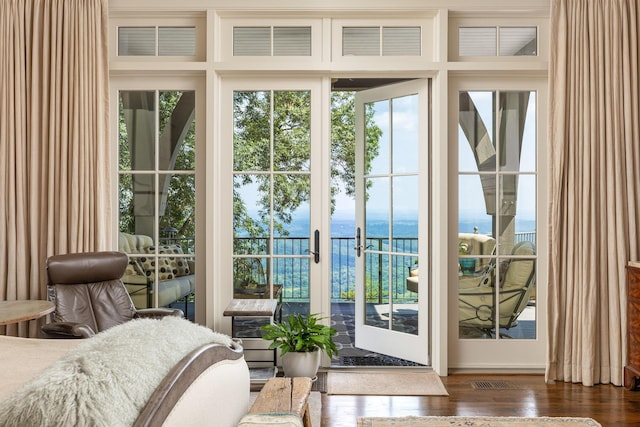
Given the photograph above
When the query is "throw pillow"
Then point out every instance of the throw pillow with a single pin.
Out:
(134, 268)
(165, 272)
(179, 265)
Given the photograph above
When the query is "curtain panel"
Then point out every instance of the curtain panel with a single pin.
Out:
(54, 158)
(594, 183)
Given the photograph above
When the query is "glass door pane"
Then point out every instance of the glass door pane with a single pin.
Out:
(497, 215)
(391, 214)
(157, 146)
(392, 193)
(271, 197)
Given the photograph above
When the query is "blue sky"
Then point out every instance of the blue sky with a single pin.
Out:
(405, 160)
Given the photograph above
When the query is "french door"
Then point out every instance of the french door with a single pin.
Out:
(271, 184)
(392, 213)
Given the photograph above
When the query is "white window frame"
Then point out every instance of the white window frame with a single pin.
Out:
(196, 20)
(427, 32)
(527, 61)
(225, 45)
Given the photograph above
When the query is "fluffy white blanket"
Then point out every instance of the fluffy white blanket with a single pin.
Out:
(108, 378)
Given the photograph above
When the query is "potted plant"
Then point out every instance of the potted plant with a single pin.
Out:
(301, 341)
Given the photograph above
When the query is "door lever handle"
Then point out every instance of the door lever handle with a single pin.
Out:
(316, 247)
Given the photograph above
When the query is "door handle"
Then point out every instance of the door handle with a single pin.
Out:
(358, 247)
(316, 246)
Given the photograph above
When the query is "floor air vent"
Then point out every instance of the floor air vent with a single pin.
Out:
(493, 385)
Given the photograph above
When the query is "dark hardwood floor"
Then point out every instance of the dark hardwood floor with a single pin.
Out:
(520, 395)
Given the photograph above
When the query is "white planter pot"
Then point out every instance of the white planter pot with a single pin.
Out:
(301, 364)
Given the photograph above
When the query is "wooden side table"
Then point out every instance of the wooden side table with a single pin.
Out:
(240, 307)
(23, 310)
(262, 361)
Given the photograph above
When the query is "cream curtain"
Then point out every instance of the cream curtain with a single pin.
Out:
(594, 159)
(54, 163)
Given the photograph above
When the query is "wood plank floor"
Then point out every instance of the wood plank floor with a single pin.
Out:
(525, 395)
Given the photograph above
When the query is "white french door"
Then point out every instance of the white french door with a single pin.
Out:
(271, 187)
(392, 213)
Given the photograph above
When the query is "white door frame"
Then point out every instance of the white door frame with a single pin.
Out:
(387, 341)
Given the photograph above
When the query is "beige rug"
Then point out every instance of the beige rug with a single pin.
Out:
(476, 422)
(315, 406)
(386, 383)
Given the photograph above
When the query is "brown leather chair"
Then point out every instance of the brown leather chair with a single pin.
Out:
(90, 296)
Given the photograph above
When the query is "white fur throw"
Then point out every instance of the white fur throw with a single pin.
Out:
(108, 378)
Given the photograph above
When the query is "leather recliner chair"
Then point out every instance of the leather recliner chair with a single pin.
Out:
(89, 295)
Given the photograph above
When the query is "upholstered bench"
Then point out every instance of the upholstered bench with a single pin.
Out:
(282, 402)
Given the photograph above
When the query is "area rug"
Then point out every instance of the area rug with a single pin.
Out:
(386, 383)
(315, 406)
(476, 422)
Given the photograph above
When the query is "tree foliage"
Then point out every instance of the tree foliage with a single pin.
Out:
(343, 143)
(272, 156)
(177, 201)
(263, 120)
(289, 134)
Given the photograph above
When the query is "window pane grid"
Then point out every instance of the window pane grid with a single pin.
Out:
(497, 218)
(497, 41)
(157, 41)
(272, 41)
(381, 41)
(157, 207)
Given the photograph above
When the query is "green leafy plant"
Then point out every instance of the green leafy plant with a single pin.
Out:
(301, 334)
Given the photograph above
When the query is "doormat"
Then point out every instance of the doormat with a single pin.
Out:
(476, 422)
(379, 360)
(386, 383)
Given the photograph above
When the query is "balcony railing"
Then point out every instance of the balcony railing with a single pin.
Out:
(290, 267)
(292, 271)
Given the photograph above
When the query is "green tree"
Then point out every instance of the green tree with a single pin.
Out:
(343, 143)
(179, 210)
(176, 109)
(255, 125)
(291, 152)
(257, 115)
